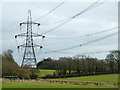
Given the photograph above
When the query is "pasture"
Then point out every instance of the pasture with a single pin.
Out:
(109, 78)
(45, 85)
(44, 72)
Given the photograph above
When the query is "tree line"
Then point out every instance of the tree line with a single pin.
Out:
(64, 66)
(11, 68)
(81, 64)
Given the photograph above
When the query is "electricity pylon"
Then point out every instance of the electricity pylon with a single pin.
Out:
(29, 57)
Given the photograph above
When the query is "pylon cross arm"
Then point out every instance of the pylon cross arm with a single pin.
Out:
(25, 34)
(24, 45)
(31, 22)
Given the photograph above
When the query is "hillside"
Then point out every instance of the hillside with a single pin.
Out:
(11, 68)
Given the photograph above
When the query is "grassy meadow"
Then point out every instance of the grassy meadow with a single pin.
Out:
(44, 72)
(109, 78)
(45, 85)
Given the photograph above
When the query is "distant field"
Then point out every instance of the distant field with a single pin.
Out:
(109, 78)
(44, 72)
(44, 85)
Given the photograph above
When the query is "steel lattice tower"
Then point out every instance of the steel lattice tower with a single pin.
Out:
(29, 57)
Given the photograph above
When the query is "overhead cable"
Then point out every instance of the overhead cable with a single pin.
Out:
(80, 45)
(102, 31)
(82, 53)
(50, 11)
(95, 4)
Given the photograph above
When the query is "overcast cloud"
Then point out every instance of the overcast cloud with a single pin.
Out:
(100, 18)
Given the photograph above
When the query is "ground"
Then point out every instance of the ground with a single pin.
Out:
(44, 72)
(45, 85)
(107, 79)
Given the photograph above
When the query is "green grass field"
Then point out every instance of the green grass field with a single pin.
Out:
(111, 78)
(44, 72)
(45, 85)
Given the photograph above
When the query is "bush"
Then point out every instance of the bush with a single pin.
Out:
(11, 68)
(24, 74)
(35, 73)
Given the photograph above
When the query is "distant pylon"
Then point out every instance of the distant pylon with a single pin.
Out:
(29, 57)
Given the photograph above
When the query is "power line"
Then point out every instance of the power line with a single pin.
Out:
(50, 11)
(110, 29)
(81, 53)
(59, 21)
(80, 45)
(95, 4)
(57, 26)
(90, 7)
(97, 52)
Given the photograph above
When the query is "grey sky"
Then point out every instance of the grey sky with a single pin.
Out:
(100, 18)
